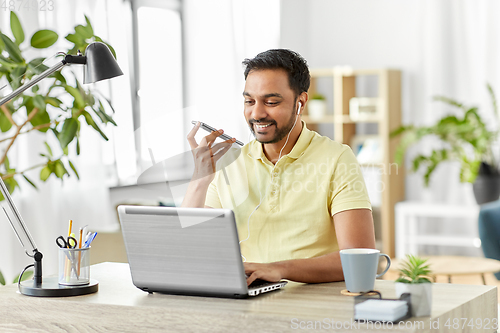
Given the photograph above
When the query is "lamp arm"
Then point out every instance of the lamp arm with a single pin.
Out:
(37, 255)
(18, 218)
(33, 81)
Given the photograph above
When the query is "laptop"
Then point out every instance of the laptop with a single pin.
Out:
(186, 251)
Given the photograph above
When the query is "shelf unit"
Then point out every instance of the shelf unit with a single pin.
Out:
(387, 119)
(408, 215)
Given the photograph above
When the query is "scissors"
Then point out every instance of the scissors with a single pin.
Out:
(70, 243)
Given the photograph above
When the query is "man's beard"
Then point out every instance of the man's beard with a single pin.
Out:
(280, 133)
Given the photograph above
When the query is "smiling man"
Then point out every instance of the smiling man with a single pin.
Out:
(298, 197)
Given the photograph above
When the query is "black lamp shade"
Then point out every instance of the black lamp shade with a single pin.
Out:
(101, 64)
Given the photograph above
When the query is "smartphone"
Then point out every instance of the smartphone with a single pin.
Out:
(210, 129)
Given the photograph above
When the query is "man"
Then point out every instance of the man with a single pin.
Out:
(298, 197)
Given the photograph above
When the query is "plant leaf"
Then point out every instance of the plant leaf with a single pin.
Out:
(53, 101)
(493, 99)
(48, 148)
(2, 46)
(59, 169)
(414, 270)
(449, 101)
(91, 122)
(83, 32)
(101, 112)
(58, 75)
(6, 163)
(2, 279)
(43, 39)
(17, 75)
(75, 39)
(45, 173)
(42, 117)
(68, 132)
(29, 181)
(12, 49)
(7, 64)
(74, 169)
(17, 29)
(79, 102)
(11, 183)
(36, 65)
(39, 102)
(5, 124)
(89, 26)
(26, 275)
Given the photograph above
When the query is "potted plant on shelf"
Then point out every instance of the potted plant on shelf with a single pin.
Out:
(413, 279)
(465, 138)
(41, 109)
(316, 107)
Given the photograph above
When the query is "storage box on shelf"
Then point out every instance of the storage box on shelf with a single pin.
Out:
(383, 110)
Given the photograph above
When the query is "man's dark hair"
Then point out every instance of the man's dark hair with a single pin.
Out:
(290, 61)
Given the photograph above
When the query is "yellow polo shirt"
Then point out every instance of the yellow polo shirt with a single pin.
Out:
(298, 196)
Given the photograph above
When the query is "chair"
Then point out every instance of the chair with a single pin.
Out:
(489, 230)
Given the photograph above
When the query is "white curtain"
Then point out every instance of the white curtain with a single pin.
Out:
(47, 210)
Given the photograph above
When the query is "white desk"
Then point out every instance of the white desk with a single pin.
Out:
(407, 236)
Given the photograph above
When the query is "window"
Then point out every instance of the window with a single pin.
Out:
(159, 86)
(156, 85)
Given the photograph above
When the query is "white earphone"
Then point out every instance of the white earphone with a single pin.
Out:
(298, 110)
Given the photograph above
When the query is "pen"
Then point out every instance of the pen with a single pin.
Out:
(89, 240)
(79, 254)
(85, 232)
(87, 236)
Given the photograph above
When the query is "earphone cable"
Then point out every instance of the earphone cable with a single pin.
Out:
(258, 183)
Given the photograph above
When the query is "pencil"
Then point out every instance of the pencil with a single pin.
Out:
(70, 227)
(68, 266)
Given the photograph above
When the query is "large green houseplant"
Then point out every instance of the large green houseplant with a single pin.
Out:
(465, 138)
(41, 109)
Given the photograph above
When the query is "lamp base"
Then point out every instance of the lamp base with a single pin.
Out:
(50, 287)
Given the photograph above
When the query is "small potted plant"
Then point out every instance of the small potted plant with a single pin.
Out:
(413, 279)
(316, 107)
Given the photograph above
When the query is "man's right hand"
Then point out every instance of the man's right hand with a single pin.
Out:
(206, 154)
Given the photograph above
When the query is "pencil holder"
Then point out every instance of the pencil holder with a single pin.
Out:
(74, 266)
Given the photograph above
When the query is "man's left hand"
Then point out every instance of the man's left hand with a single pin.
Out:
(271, 272)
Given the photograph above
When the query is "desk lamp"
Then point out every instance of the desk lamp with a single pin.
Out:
(99, 65)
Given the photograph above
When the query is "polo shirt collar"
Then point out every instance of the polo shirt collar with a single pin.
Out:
(256, 151)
